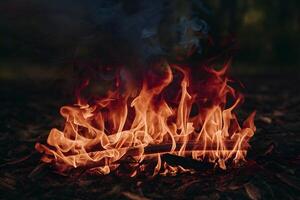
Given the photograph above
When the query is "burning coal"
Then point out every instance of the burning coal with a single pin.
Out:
(172, 112)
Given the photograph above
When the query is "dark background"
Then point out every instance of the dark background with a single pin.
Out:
(39, 38)
(268, 32)
(39, 42)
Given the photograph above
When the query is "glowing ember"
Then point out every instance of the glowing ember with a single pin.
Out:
(172, 113)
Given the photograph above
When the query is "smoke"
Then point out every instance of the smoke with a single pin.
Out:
(149, 28)
(101, 36)
(138, 34)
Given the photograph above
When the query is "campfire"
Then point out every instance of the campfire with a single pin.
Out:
(181, 111)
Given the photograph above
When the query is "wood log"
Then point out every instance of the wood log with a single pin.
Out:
(151, 151)
(186, 162)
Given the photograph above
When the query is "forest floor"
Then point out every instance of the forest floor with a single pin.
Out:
(30, 109)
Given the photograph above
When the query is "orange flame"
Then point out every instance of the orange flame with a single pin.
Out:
(101, 135)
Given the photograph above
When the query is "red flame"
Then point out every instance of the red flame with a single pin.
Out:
(173, 113)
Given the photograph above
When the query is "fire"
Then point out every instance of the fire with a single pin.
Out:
(172, 113)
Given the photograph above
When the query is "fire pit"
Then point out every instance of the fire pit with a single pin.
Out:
(270, 170)
(142, 127)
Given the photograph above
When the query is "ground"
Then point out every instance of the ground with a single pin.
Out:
(30, 109)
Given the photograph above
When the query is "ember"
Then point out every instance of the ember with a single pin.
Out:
(193, 121)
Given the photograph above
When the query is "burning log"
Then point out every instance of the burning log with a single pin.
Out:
(186, 162)
(165, 150)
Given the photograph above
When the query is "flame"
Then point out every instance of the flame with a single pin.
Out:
(192, 120)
